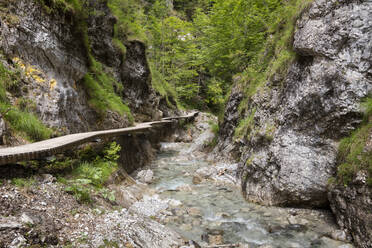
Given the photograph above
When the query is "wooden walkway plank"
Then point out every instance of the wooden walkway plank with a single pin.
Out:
(57, 145)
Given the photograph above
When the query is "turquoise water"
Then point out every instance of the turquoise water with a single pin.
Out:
(222, 207)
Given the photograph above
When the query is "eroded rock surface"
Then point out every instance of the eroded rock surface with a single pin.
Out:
(49, 50)
(352, 207)
(290, 152)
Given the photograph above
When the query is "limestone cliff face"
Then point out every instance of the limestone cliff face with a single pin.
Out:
(291, 150)
(352, 207)
(49, 49)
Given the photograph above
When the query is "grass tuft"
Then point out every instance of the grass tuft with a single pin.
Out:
(353, 155)
(20, 118)
(100, 88)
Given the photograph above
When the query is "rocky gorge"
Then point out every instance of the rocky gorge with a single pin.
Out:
(180, 199)
(298, 146)
(291, 151)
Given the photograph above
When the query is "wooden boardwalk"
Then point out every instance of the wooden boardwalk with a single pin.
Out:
(53, 146)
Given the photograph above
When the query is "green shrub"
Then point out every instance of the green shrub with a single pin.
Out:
(245, 126)
(215, 129)
(80, 192)
(352, 155)
(91, 173)
(130, 15)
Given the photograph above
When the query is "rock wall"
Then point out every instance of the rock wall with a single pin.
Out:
(352, 207)
(290, 152)
(139, 150)
(50, 51)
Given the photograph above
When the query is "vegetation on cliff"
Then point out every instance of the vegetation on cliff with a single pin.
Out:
(21, 115)
(103, 89)
(355, 151)
(196, 47)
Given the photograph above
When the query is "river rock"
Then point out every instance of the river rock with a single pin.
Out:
(9, 225)
(293, 220)
(194, 212)
(174, 203)
(191, 244)
(145, 176)
(351, 205)
(205, 172)
(18, 242)
(265, 246)
(26, 219)
(197, 179)
(196, 222)
(331, 243)
(340, 235)
(223, 215)
(213, 237)
(185, 188)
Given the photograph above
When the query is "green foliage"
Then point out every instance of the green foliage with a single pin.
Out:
(165, 89)
(215, 129)
(96, 172)
(26, 124)
(275, 55)
(26, 105)
(130, 15)
(272, 54)
(172, 55)
(108, 195)
(215, 95)
(245, 126)
(353, 155)
(80, 192)
(91, 173)
(71, 8)
(58, 165)
(100, 87)
(199, 49)
(10, 81)
(120, 46)
(188, 8)
(21, 118)
(23, 182)
(111, 153)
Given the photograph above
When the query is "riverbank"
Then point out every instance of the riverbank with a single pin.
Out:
(182, 195)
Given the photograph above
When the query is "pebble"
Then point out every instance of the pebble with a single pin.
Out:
(267, 214)
(292, 220)
(223, 215)
(339, 235)
(26, 219)
(196, 179)
(194, 211)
